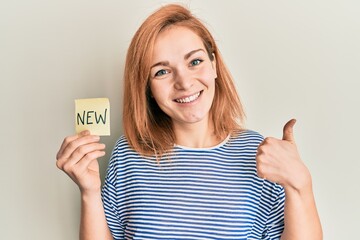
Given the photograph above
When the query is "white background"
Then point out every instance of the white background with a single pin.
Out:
(289, 59)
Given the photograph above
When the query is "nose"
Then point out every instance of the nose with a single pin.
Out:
(183, 79)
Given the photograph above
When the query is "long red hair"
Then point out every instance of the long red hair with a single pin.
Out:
(147, 128)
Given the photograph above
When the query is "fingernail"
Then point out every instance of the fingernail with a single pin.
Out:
(84, 133)
(96, 137)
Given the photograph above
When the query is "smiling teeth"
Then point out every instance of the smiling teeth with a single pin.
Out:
(188, 99)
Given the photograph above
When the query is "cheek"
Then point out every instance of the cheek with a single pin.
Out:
(159, 91)
(208, 74)
(154, 88)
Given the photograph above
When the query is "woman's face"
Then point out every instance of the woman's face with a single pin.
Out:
(182, 78)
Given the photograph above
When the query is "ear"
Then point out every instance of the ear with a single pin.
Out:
(213, 63)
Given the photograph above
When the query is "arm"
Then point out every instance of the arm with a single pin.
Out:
(301, 218)
(93, 223)
(279, 161)
(77, 157)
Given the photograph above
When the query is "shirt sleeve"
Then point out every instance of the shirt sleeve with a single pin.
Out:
(275, 221)
(109, 195)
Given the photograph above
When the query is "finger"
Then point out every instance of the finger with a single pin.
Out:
(68, 140)
(78, 155)
(288, 133)
(64, 144)
(73, 145)
(83, 150)
(88, 158)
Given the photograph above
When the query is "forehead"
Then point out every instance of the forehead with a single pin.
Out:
(176, 40)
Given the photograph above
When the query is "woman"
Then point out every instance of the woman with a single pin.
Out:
(185, 167)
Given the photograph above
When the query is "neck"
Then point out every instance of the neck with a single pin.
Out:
(196, 135)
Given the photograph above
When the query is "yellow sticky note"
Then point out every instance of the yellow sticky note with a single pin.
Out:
(93, 114)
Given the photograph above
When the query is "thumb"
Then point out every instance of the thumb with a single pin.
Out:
(288, 133)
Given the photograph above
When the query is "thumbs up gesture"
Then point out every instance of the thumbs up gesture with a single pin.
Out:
(278, 160)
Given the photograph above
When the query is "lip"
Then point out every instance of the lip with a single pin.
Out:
(188, 96)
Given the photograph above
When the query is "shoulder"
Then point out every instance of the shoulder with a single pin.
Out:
(241, 145)
(122, 147)
(246, 136)
(122, 142)
(121, 151)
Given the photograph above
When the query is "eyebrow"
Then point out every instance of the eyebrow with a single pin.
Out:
(187, 56)
(192, 52)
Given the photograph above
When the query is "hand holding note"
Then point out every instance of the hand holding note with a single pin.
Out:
(93, 114)
(78, 154)
(77, 158)
(279, 160)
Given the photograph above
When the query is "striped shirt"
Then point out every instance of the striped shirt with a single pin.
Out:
(196, 193)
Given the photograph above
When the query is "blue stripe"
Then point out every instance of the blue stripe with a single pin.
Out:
(192, 194)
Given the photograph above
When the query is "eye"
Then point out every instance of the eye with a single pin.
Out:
(195, 62)
(161, 73)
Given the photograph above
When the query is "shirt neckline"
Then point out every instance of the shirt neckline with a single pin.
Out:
(204, 148)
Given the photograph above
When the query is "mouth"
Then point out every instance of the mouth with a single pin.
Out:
(189, 99)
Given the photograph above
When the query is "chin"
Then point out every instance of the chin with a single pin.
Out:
(195, 119)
